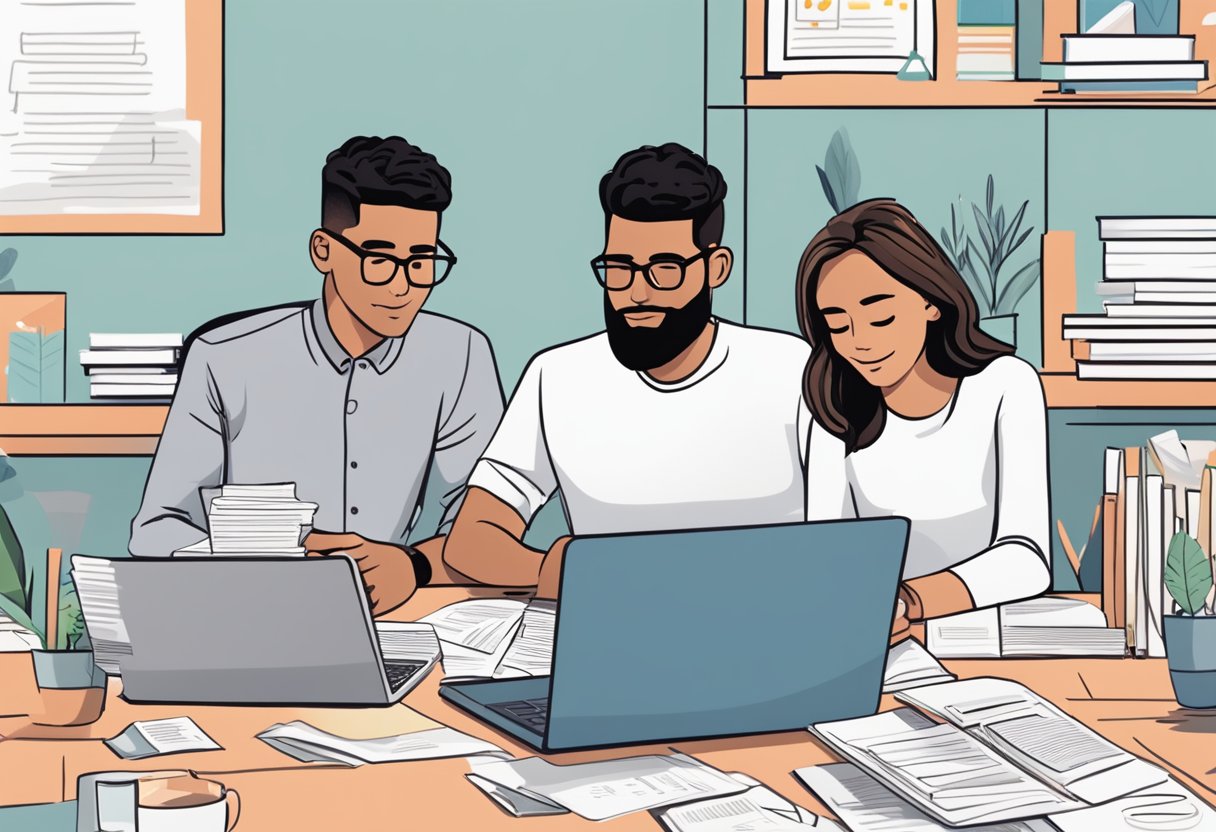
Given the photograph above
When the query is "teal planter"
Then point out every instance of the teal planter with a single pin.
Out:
(1002, 328)
(1190, 646)
(67, 670)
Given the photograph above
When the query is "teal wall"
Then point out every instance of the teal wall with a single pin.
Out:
(527, 106)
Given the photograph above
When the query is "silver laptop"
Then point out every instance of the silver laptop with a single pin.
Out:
(212, 630)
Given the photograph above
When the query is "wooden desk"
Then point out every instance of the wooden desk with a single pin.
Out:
(1129, 701)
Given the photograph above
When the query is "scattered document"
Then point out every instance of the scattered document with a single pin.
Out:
(157, 737)
(968, 635)
(531, 651)
(516, 803)
(942, 770)
(865, 805)
(1021, 726)
(481, 624)
(759, 809)
(312, 745)
(94, 116)
(1037, 627)
(609, 789)
(1168, 807)
(407, 641)
(909, 665)
(98, 593)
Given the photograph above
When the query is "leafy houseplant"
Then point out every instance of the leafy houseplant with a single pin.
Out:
(840, 175)
(983, 258)
(1190, 637)
(70, 686)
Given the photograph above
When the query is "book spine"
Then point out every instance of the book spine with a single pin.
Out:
(1110, 503)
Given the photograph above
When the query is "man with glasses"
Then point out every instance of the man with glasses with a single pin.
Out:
(669, 419)
(359, 398)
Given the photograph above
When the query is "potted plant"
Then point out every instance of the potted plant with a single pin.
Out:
(1190, 635)
(985, 265)
(71, 688)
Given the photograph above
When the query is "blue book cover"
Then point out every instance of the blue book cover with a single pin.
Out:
(989, 12)
(1129, 86)
(1153, 17)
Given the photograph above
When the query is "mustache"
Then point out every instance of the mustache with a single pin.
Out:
(630, 310)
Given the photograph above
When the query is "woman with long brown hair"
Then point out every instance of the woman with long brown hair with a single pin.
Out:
(920, 414)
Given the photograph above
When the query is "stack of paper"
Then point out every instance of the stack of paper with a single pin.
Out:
(407, 641)
(256, 520)
(603, 790)
(132, 366)
(312, 745)
(1038, 627)
(98, 593)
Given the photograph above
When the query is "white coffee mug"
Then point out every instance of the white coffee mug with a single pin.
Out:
(175, 803)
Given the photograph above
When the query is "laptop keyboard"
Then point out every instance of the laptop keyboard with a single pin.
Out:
(399, 673)
(532, 714)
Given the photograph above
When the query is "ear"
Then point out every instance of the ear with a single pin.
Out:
(719, 264)
(932, 312)
(318, 248)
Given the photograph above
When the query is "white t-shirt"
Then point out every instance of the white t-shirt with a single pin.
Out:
(723, 447)
(972, 478)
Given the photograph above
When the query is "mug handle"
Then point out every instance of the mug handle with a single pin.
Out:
(234, 807)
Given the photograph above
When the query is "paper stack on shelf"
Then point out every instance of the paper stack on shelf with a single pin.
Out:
(132, 366)
(253, 521)
(1159, 290)
(1111, 57)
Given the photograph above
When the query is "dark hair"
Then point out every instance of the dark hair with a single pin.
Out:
(842, 401)
(669, 182)
(376, 171)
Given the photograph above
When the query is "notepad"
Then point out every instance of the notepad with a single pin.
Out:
(156, 737)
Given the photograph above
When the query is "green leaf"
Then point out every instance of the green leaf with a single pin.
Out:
(7, 258)
(1017, 287)
(843, 170)
(1188, 573)
(827, 190)
(71, 617)
(12, 564)
(991, 193)
(981, 224)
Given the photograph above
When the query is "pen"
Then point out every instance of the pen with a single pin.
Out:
(54, 558)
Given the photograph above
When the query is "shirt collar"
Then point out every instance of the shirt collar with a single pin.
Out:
(381, 356)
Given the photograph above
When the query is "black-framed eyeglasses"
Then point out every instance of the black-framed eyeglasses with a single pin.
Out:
(421, 270)
(616, 273)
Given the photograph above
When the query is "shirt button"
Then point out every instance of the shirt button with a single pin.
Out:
(354, 509)
(362, 365)
(352, 406)
(354, 465)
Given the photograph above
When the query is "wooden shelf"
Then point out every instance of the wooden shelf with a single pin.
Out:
(1066, 390)
(94, 429)
(837, 90)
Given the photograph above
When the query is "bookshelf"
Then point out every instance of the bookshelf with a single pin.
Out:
(81, 429)
(834, 90)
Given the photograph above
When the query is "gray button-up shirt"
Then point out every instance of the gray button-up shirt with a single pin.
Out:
(273, 397)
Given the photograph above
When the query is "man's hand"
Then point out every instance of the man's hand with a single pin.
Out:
(551, 569)
(901, 628)
(388, 573)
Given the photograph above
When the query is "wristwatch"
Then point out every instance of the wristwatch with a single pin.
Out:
(422, 566)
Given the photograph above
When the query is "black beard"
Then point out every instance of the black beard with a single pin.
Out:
(643, 348)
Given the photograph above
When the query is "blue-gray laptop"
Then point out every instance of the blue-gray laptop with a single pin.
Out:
(723, 632)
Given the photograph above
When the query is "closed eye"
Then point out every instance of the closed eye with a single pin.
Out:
(884, 321)
(841, 331)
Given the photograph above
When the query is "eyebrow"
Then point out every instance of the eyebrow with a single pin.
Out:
(875, 299)
(668, 255)
(831, 310)
(422, 249)
(377, 244)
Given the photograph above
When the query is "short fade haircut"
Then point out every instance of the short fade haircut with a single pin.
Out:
(669, 182)
(375, 171)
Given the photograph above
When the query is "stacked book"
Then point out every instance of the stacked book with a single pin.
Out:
(987, 34)
(1111, 57)
(139, 366)
(255, 521)
(1159, 291)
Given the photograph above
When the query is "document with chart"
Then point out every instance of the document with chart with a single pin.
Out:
(848, 35)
